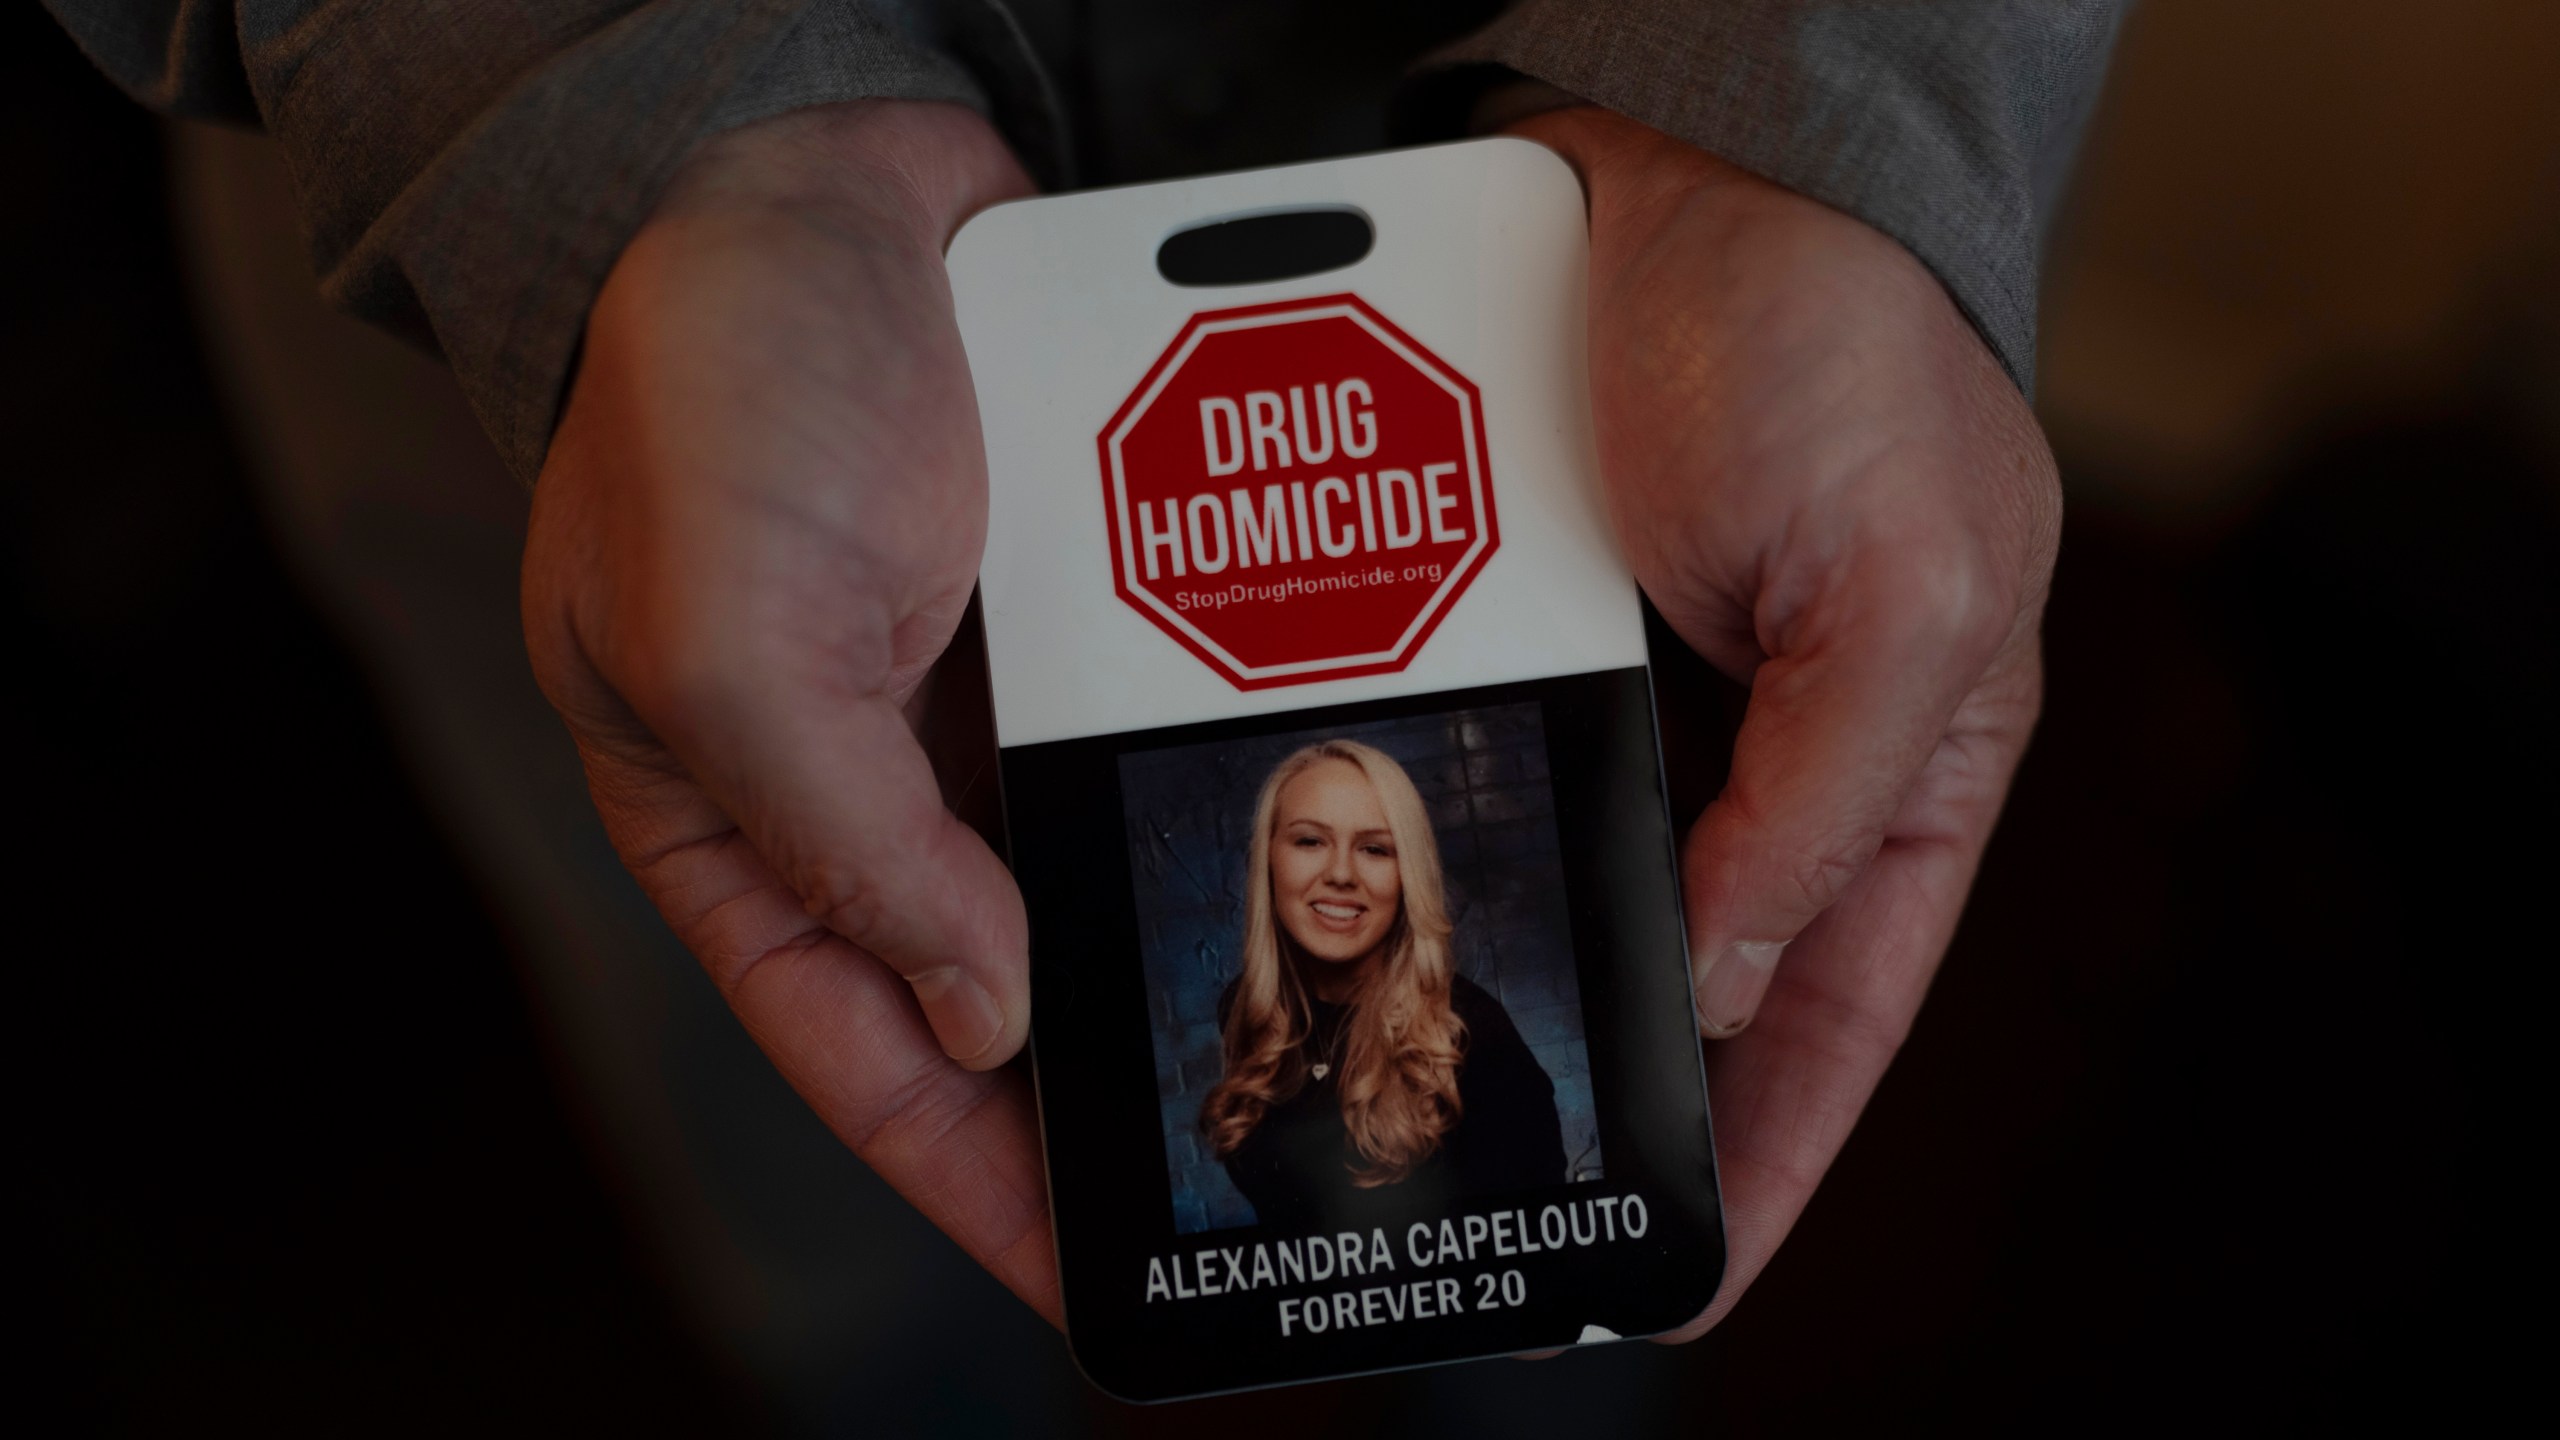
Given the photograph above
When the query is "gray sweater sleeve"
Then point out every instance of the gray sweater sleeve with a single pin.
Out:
(468, 173)
(1947, 124)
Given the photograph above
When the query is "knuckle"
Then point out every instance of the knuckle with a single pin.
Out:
(1814, 873)
(927, 1105)
(729, 959)
(1792, 863)
(850, 898)
(1792, 869)
(1947, 598)
(884, 881)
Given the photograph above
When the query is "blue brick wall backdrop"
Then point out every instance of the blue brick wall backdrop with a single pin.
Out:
(1189, 812)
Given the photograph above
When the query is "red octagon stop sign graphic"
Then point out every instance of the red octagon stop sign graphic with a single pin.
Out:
(1298, 492)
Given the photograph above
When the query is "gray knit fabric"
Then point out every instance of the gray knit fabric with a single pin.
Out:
(1947, 124)
(469, 173)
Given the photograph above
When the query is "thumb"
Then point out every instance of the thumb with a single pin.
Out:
(827, 784)
(1843, 715)
(846, 809)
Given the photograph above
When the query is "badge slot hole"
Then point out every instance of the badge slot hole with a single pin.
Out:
(1261, 248)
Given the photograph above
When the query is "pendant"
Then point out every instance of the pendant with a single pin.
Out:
(1320, 1069)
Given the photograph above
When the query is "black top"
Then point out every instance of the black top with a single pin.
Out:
(1296, 1166)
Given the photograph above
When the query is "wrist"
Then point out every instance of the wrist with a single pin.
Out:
(917, 169)
(1625, 162)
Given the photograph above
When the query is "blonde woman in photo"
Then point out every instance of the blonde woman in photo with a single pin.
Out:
(1357, 1059)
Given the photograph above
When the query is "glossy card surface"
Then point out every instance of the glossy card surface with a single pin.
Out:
(1361, 1019)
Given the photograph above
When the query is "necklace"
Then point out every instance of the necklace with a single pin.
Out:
(1321, 1068)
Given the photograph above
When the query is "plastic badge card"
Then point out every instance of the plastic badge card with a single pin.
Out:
(1361, 1013)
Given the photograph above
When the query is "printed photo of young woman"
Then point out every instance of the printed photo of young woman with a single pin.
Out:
(1346, 1045)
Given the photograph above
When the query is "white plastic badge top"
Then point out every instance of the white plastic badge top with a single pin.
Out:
(1157, 527)
(1246, 532)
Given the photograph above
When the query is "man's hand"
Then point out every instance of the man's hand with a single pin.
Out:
(762, 516)
(1833, 493)
(758, 527)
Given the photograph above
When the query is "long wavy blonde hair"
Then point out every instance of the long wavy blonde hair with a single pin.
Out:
(1403, 1044)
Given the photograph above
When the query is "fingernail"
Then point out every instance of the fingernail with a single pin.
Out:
(963, 1015)
(1731, 983)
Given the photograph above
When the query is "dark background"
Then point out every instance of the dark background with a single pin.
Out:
(2217, 1111)
(1189, 821)
(291, 1135)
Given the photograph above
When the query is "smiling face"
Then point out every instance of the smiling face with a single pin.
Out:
(1335, 884)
